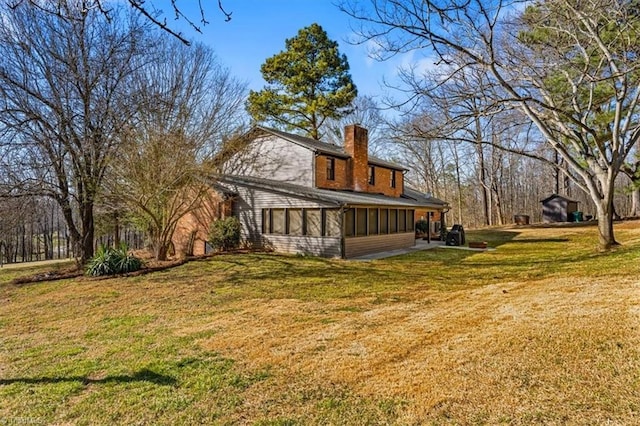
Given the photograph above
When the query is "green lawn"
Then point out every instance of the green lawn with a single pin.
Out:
(542, 330)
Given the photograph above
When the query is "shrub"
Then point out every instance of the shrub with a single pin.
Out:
(110, 261)
(422, 226)
(225, 233)
(443, 233)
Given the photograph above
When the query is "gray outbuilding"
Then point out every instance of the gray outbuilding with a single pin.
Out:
(558, 208)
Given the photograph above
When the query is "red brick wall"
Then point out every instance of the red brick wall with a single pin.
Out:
(341, 168)
(383, 183)
(196, 225)
(342, 181)
(422, 214)
(356, 144)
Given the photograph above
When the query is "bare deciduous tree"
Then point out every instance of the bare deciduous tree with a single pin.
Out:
(366, 112)
(148, 10)
(64, 100)
(187, 104)
(578, 83)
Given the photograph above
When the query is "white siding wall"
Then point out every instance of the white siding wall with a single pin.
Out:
(274, 158)
(248, 208)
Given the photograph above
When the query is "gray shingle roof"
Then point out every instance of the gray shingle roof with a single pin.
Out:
(552, 196)
(422, 197)
(336, 197)
(325, 148)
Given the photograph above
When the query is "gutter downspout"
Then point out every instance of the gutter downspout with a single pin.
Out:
(343, 210)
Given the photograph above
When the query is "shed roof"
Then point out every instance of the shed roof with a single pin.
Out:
(411, 198)
(552, 196)
(323, 147)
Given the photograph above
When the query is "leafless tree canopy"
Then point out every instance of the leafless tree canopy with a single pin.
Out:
(188, 104)
(153, 15)
(63, 102)
(558, 83)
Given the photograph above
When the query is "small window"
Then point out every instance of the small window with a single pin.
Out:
(373, 221)
(331, 168)
(277, 221)
(350, 222)
(393, 178)
(372, 175)
(411, 222)
(361, 222)
(384, 221)
(313, 222)
(402, 220)
(295, 222)
(332, 223)
(393, 221)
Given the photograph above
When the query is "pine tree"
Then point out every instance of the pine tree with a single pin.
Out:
(307, 83)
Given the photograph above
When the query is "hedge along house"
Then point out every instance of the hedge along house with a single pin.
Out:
(299, 195)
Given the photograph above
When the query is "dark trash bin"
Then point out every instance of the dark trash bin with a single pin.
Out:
(456, 236)
(453, 238)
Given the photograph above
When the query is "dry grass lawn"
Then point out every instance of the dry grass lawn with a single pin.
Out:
(542, 330)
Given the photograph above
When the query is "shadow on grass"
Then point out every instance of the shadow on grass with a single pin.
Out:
(493, 237)
(144, 375)
(543, 240)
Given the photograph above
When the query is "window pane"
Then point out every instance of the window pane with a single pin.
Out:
(372, 175)
(332, 224)
(277, 221)
(393, 221)
(410, 220)
(402, 220)
(295, 221)
(361, 222)
(373, 221)
(349, 219)
(314, 222)
(384, 218)
(331, 166)
(393, 178)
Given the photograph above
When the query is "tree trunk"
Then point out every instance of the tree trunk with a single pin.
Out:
(87, 237)
(116, 231)
(486, 196)
(635, 203)
(458, 182)
(161, 250)
(606, 239)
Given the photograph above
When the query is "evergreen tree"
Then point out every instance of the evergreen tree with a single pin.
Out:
(307, 83)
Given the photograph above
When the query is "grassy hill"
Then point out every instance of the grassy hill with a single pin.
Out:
(542, 330)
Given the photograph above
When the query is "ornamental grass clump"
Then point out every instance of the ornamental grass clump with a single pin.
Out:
(111, 261)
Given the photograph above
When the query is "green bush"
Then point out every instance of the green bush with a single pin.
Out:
(225, 233)
(443, 233)
(110, 261)
(422, 226)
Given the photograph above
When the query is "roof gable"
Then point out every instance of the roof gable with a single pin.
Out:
(322, 147)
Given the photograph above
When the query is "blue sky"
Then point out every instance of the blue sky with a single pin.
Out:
(258, 30)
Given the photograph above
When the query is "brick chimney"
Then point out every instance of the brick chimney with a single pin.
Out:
(356, 144)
